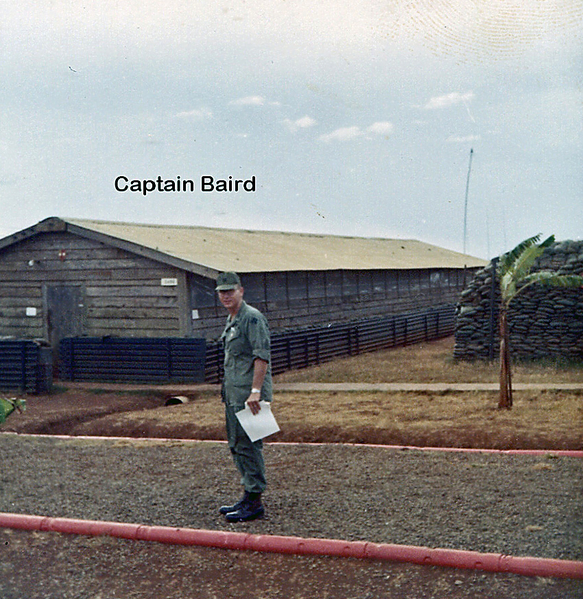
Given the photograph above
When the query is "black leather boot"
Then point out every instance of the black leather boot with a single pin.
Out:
(251, 509)
(225, 509)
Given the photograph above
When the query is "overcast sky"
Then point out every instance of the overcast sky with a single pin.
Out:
(355, 117)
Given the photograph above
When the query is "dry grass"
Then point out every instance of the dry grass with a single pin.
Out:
(544, 420)
(427, 363)
(548, 420)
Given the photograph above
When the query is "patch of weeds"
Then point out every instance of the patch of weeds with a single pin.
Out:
(542, 466)
(551, 456)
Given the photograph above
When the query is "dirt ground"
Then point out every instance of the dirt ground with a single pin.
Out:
(51, 565)
(540, 419)
(56, 566)
(70, 405)
(493, 503)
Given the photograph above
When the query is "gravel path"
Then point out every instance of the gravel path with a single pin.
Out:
(516, 505)
(55, 566)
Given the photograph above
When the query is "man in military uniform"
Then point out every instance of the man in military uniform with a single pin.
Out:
(247, 381)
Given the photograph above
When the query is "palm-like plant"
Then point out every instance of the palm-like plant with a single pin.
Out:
(515, 276)
(7, 406)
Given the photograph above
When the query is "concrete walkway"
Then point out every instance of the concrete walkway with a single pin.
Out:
(437, 387)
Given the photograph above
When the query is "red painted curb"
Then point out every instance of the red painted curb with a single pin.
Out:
(454, 558)
(573, 453)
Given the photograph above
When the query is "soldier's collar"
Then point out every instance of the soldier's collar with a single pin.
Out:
(242, 308)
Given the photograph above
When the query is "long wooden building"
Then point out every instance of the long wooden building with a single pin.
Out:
(68, 277)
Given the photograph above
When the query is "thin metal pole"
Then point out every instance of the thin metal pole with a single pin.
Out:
(466, 216)
(466, 201)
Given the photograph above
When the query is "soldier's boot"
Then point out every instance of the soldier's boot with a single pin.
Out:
(251, 509)
(225, 509)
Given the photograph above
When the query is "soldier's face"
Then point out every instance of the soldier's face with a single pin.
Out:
(231, 299)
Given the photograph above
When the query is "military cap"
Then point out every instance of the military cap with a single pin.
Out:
(227, 281)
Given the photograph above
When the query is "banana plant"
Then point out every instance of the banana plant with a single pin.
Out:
(514, 276)
(7, 406)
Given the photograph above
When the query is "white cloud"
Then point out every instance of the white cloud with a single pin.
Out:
(456, 139)
(302, 123)
(196, 114)
(305, 121)
(381, 128)
(448, 100)
(249, 101)
(342, 134)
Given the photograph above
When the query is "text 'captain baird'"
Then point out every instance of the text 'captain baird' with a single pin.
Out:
(207, 183)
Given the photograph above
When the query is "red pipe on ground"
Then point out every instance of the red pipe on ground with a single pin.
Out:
(454, 558)
(573, 453)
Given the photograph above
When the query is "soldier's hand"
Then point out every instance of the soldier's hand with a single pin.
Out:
(253, 403)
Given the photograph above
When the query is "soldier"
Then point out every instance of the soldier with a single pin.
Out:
(247, 381)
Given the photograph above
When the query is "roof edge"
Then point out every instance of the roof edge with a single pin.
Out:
(54, 224)
(427, 245)
(48, 225)
(82, 228)
(141, 250)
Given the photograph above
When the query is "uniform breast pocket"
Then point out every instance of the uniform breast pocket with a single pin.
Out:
(236, 342)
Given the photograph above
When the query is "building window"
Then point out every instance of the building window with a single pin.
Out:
(364, 282)
(334, 283)
(424, 279)
(254, 284)
(297, 285)
(276, 287)
(349, 283)
(379, 279)
(202, 292)
(414, 281)
(316, 285)
(392, 283)
(436, 279)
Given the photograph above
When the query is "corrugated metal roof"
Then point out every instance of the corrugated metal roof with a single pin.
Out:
(271, 251)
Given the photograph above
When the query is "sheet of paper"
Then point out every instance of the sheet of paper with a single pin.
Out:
(260, 425)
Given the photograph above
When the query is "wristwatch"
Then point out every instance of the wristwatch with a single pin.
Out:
(255, 391)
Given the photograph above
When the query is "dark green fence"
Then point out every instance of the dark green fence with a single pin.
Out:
(25, 366)
(132, 360)
(177, 360)
(301, 348)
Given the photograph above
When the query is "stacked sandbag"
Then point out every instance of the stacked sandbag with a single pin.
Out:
(544, 322)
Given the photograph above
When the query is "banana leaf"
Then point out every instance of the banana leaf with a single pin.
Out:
(7, 406)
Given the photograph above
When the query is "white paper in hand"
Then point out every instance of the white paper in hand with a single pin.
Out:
(259, 425)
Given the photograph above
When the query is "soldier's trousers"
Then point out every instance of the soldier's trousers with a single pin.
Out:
(248, 456)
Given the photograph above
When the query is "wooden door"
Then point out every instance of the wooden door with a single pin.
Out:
(65, 314)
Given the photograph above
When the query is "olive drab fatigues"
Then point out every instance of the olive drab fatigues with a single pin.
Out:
(245, 338)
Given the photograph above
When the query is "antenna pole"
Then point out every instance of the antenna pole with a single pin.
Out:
(466, 215)
(466, 201)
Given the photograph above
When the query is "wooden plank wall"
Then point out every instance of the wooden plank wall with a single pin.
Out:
(124, 296)
(123, 292)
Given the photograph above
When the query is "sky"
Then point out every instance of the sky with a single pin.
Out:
(454, 122)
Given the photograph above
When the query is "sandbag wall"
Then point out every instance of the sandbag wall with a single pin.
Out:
(544, 322)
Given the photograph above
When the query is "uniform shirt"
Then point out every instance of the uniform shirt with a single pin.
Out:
(245, 338)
